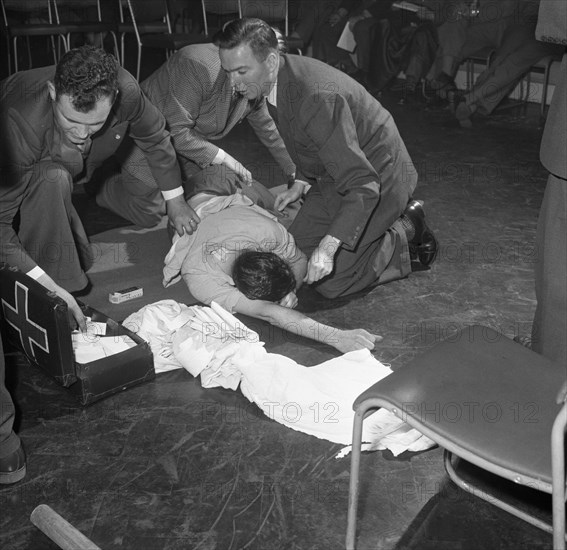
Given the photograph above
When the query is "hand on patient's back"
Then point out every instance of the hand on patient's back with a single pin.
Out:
(355, 339)
(289, 301)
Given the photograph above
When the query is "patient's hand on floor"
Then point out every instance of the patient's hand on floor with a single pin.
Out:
(355, 339)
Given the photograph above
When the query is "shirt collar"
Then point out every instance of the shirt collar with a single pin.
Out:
(272, 96)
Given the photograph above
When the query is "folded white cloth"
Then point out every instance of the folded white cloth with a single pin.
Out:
(215, 345)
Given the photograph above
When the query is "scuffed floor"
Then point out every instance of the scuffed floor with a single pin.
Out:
(169, 465)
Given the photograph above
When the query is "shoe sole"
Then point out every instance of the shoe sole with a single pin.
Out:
(6, 478)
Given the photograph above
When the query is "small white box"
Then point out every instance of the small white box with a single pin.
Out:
(125, 294)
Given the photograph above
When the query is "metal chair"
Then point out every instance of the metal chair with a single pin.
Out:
(545, 67)
(481, 57)
(151, 23)
(276, 13)
(222, 11)
(85, 17)
(488, 401)
(23, 28)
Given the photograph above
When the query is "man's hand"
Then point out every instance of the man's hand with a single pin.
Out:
(244, 175)
(289, 195)
(322, 260)
(72, 304)
(352, 340)
(289, 301)
(182, 216)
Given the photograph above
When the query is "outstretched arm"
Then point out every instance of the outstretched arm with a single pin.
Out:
(297, 323)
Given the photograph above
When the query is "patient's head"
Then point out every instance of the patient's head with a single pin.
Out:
(262, 276)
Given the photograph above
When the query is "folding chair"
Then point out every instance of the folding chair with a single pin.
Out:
(85, 17)
(222, 11)
(151, 23)
(545, 67)
(488, 401)
(276, 13)
(481, 57)
(23, 28)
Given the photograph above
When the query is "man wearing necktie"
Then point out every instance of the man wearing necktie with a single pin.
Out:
(58, 125)
(358, 224)
(200, 106)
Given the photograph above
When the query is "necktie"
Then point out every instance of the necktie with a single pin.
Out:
(273, 112)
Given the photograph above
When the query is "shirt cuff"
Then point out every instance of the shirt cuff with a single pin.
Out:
(172, 193)
(35, 273)
(219, 159)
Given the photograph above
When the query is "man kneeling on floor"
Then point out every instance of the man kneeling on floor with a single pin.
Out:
(242, 258)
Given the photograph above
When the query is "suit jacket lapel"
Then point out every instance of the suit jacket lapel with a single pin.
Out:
(230, 109)
(285, 114)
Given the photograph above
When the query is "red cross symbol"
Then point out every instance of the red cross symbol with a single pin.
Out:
(31, 334)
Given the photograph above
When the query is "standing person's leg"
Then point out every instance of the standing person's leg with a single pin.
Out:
(12, 456)
(550, 321)
(50, 229)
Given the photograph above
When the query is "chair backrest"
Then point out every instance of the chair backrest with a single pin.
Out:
(26, 9)
(140, 12)
(224, 10)
(222, 7)
(274, 12)
(80, 11)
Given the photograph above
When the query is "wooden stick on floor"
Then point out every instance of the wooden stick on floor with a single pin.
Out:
(59, 530)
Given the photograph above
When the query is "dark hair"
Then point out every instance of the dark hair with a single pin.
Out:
(261, 38)
(86, 74)
(262, 276)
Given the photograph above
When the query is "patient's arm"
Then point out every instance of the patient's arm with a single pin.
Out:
(293, 321)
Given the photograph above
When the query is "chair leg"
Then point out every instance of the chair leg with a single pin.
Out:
(558, 478)
(476, 491)
(116, 50)
(354, 478)
(139, 62)
(15, 50)
(544, 90)
(9, 52)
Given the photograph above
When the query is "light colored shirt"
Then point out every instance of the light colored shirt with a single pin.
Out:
(205, 259)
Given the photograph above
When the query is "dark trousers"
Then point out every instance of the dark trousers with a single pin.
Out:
(50, 229)
(549, 334)
(381, 254)
(9, 441)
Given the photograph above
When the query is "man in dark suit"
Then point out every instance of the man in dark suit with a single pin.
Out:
(200, 107)
(550, 321)
(57, 126)
(357, 224)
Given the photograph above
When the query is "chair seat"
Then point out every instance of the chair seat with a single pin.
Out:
(95, 26)
(36, 29)
(487, 401)
(482, 55)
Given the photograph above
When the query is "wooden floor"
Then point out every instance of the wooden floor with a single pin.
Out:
(170, 465)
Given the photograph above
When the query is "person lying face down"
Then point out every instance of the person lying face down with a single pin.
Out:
(242, 258)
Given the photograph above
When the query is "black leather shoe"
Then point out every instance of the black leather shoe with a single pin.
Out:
(423, 245)
(13, 467)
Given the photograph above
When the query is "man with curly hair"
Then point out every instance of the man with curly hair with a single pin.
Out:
(58, 125)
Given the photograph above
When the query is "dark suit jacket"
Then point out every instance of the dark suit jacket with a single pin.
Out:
(28, 137)
(339, 136)
(195, 96)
